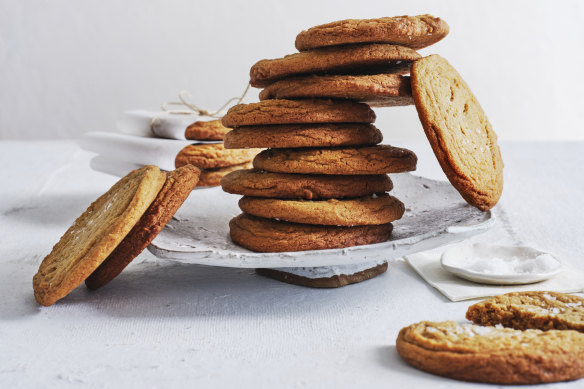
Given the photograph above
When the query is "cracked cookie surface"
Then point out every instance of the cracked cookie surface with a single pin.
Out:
(260, 183)
(303, 135)
(380, 159)
(213, 155)
(493, 355)
(206, 130)
(361, 211)
(415, 32)
(379, 90)
(265, 235)
(297, 112)
(523, 310)
(374, 58)
(213, 177)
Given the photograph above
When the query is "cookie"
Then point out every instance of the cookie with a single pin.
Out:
(362, 211)
(380, 90)
(379, 159)
(265, 235)
(260, 183)
(459, 132)
(303, 135)
(493, 355)
(212, 155)
(297, 112)
(213, 177)
(328, 277)
(415, 32)
(211, 130)
(371, 58)
(179, 184)
(523, 310)
(95, 234)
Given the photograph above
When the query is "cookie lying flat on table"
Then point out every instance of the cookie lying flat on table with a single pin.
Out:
(387, 90)
(415, 32)
(272, 236)
(458, 130)
(213, 177)
(379, 159)
(179, 184)
(297, 112)
(297, 276)
(523, 310)
(374, 58)
(493, 355)
(213, 155)
(367, 210)
(260, 183)
(95, 234)
(303, 135)
(201, 130)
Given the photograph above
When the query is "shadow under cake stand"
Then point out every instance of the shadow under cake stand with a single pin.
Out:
(435, 216)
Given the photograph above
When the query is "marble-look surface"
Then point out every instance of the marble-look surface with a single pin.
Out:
(164, 324)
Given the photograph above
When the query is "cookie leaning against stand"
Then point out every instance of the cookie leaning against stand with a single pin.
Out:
(95, 234)
(458, 130)
(179, 184)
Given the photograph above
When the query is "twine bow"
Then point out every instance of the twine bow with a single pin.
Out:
(190, 108)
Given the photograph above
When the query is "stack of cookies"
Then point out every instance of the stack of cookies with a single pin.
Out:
(169, 141)
(212, 158)
(322, 183)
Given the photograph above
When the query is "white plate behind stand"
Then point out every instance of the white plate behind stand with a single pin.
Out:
(435, 215)
(458, 259)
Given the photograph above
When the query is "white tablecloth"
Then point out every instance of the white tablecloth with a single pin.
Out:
(164, 324)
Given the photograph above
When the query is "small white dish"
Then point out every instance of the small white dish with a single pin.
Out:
(500, 265)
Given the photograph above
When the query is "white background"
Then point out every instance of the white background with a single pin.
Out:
(67, 67)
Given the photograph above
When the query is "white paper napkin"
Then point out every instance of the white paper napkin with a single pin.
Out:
(427, 265)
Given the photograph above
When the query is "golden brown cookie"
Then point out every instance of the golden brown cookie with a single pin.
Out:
(379, 90)
(361, 211)
(213, 177)
(371, 58)
(212, 155)
(459, 132)
(303, 135)
(210, 130)
(415, 32)
(493, 355)
(95, 234)
(179, 184)
(260, 183)
(523, 310)
(265, 235)
(333, 281)
(297, 112)
(379, 159)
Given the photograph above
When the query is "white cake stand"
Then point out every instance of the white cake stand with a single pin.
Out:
(435, 215)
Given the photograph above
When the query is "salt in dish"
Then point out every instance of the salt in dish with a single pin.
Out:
(502, 265)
